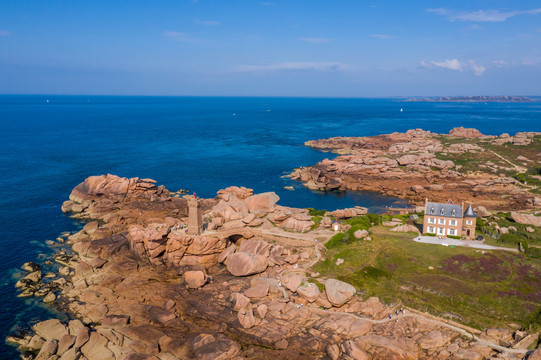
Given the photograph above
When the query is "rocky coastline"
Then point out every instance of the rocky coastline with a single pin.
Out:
(463, 165)
(140, 286)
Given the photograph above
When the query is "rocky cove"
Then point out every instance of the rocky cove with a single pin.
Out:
(140, 287)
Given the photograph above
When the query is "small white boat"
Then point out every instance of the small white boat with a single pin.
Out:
(401, 109)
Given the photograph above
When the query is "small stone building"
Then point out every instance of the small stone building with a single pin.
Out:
(444, 219)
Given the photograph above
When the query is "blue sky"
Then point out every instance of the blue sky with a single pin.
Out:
(271, 48)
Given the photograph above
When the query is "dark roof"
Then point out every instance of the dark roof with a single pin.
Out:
(436, 210)
(336, 222)
(469, 212)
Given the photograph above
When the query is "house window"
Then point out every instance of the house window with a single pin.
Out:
(452, 222)
(469, 222)
(441, 212)
(453, 212)
(431, 229)
(451, 232)
(431, 220)
(441, 231)
(432, 210)
(441, 221)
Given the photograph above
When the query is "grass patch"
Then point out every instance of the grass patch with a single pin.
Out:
(314, 212)
(483, 290)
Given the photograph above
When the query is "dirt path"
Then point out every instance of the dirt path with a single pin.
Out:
(519, 169)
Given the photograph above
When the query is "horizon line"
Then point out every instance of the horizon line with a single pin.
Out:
(269, 96)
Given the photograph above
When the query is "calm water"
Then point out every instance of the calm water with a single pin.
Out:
(202, 144)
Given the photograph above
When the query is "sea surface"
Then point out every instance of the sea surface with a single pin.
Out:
(49, 144)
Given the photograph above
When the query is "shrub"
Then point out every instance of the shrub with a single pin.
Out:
(362, 221)
(335, 241)
(314, 212)
(374, 218)
(520, 177)
(317, 221)
(453, 237)
(534, 253)
(429, 234)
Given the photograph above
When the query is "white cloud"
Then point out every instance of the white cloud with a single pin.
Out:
(178, 36)
(477, 69)
(482, 15)
(317, 66)
(456, 65)
(207, 22)
(381, 36)
(4, 33)
(500, 63)
(451, 64)
(314, 40)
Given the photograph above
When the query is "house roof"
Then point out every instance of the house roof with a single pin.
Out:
(445, 210)
(469, 212)
(336, 222)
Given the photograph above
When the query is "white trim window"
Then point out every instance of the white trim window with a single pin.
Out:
(431, 230)
(451, 232)
(431, 220)
(441, 221)
(469, 222)
(441, 231)
(452, 222)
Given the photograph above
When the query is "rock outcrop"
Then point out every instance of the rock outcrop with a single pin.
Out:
(411, 164)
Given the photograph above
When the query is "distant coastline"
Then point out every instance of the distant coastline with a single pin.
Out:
(507, 99)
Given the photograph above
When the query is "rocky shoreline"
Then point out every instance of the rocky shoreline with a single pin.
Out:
(141, 287)
(463, 165)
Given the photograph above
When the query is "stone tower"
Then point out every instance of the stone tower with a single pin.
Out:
(469, 222)
(195, 220)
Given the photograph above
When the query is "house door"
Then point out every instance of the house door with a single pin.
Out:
(468, 233)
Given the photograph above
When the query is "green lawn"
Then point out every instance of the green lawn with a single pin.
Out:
(479, 290)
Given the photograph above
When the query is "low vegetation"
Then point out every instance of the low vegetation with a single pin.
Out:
(478, 288)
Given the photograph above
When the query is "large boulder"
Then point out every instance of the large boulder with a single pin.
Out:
(263, 201)
(256, 247)
(359, 234)
(308, 291)
(259, 289)
(526, 219)
(51, 329)
(338, 292)
(243, 263)
(291, 281)
(116, 188)
(406, 160)
(293, 224)
(405, 228)
(483, 212)
(463, 132)
(195, 278)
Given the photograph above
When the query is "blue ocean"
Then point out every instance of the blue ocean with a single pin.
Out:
(49, 144)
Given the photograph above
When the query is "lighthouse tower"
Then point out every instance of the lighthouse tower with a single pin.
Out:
(195, 220)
